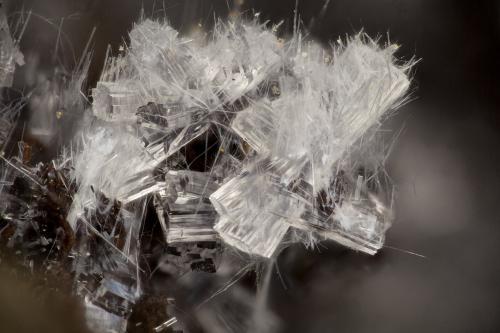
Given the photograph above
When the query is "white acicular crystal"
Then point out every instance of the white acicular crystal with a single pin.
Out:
(10, 56)
(8, 119)
(114, 101)
(189, 214)
(254, 208)
(257, 126)
(115, 163)
(242, 57)
(329, 106)
(326, 106)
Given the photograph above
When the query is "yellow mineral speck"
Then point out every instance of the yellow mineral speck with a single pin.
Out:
(59, 114)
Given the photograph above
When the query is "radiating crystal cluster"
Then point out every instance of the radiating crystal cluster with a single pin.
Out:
(240, 139)
(291, 114)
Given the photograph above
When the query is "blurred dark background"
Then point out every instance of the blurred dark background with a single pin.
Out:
(446, 162)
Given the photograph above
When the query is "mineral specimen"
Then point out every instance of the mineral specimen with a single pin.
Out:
(240, 140)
